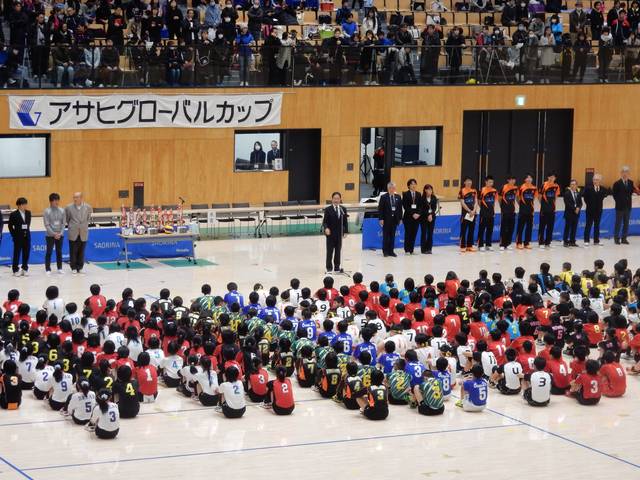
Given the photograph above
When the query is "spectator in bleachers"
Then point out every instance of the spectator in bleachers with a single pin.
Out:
(631, 52)
(63, 35)
(110, 65)
(612, 14)
(255, 14)
(522, 12)
(173, 20)
(530, 56)
(577, 20)
(62, 64)
(566, 57)
(349, 27)
(40, 39)
(18, 26)
(174, 64)
(335, 47)
(581, 49)
(454, 46)
(605, 53)
(620, 30)
(190, 28)
(509, 14)
(152, 26)
(547, 55)
(371, 21)
(228, 26)
(367, 57)
(230, 12)
(404, 73)
(430, 53)
(76, 55)
(245, 44)
(269, 52)
(213, 14)
(404, 36)
(72, 19)
(203, 56)
(556, 28)
(285, 54)
(597, 20)
(82, 36)
(633, 15)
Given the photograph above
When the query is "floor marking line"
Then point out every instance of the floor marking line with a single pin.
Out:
(13, 467)
(273, 447)
(561, 437)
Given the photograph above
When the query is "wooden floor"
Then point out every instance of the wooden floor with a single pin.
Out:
(176, 437)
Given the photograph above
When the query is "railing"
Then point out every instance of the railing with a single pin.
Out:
(331, 63)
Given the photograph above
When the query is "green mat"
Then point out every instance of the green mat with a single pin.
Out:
(122, 266)
(183, 262)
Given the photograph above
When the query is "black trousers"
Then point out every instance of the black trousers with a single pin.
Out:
(570, 227)
(622, 224)
(593, 220)
(76, 253)
(525, 226)
(467, 230)
(545, 229)
(485, 230)
(507, 225)
(334, 248)
(410, 232)
(52, 242)
(21, 248)
(388, 236)
(426, 235)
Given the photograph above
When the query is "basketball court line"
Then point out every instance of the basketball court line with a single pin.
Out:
(16, 469)
(273, 447)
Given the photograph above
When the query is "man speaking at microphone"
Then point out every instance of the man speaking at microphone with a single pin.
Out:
(334, 224)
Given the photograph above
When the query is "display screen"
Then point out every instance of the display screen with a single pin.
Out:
(24, 156)
(258, 151)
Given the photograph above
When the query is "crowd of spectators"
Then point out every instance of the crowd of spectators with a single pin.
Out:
(87, 42)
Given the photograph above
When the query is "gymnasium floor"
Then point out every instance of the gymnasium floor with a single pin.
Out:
(176, 437)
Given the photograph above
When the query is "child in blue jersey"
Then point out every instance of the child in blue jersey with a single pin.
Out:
(388, 284)
(270, 310)
(366, 346)
(233, 296)
(474, 391)
(254, 303)
(308, 325)
(414, 367)
(388, 359)
(328, 332)
(289, 314)
(444, 376)
(344, 337)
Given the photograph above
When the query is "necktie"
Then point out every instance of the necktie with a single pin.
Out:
(393, 201)
(337, 212)
(597, 189)
(575, 202)
(413, 197)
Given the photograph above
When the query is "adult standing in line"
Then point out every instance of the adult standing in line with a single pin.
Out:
(594, 196)
(77, 215)
(548, 193)
(428, 218)
(390, 215)
(487, 201)
(468, 197)
(508, 200)
(335, 227)
(20, 230)
(54, 220)
(526, 198)
(622, 189)
(411, 204)
(572, 206)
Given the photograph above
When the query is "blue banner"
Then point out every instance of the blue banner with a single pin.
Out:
(104, 245)
(447, 229)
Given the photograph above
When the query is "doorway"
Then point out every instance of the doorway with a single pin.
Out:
(517, 142)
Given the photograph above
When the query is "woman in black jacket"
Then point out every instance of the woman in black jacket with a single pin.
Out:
(428, 214)
(597, 20)
(257, 157)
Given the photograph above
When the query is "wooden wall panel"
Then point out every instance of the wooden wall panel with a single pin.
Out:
(197, 164)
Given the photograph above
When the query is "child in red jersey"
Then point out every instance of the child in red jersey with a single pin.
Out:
(357, 286)
(579, 361)
(557, 368)
(13, 302)
(497, 347)
(280, 396)
(257, 388)
(586, 388)
(147, 376)
(96, 302)
(593, 328)
(612, 377)
(451, 285)
(526, 359)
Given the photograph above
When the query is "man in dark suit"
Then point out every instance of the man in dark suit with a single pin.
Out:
(273, 154)
(19, 228)
(411, 204)
(335, 227)
(594, 196)
(622, 191)
(390, 215)
(572, 206)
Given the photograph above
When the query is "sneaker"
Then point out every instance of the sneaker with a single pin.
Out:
(510, 247)
(24, 273)
(218, 409)
(586, 244)
(60, 272)
(542, 247)
(598, 244)
(315, 388)
(519, 246)
(63, 412)
(528, 247)
(48, 273)
(471, 249)
(73, 272)
(488, 249)
(328, 272)
(336, 399)
(413, 403)
(265, 405)
(503, 248)
(90, 428)
(16, 274)
(459, 403)
(463, 250)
